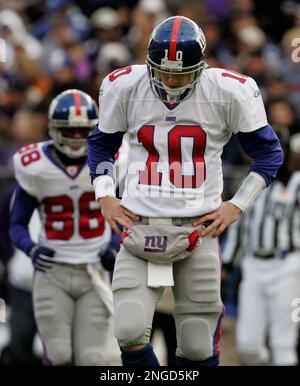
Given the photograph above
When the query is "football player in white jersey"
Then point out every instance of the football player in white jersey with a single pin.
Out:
(53, 176)
(179, 115)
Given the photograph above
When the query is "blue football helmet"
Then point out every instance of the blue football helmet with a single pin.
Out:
(176, 46)
(72, 112)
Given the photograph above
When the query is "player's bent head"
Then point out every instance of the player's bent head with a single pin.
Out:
(175, 58)
(72, 116)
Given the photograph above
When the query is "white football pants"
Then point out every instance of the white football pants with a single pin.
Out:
(73, 322)
(198, 306)
(265, 310)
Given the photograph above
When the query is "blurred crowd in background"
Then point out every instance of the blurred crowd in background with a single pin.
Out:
(54, 45)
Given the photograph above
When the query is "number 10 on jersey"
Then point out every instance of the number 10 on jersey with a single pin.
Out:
(150, 175)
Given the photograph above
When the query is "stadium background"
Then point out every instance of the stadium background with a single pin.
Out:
(49, 46)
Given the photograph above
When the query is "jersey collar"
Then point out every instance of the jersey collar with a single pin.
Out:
(56, 162)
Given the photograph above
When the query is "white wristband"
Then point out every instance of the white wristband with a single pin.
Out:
(104, 187)
(250, 189)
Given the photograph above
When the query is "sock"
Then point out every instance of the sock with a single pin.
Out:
(142, 357)
(213, 361)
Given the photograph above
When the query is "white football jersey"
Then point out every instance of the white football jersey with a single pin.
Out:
(72, 223)
(174, 165)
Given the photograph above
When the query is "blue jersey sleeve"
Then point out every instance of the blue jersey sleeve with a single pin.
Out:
(264, 148)
(20, 216)
(102, 148)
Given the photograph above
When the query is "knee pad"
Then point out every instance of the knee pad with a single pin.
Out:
(195, 342)
(254, 357)
(91, 357)
(130, 325)
(283, 355)
(59, 352)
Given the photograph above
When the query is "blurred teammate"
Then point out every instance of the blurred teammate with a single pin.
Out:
(72, 319)
(179, 115)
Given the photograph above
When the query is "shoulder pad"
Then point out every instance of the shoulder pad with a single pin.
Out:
(29, 159)
(123, 78)
(232, 83)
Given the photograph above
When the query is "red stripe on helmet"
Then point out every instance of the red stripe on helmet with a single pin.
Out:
(77, 102)
(174, 38)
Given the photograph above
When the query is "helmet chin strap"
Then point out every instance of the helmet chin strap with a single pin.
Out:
(67, 161)
(172, 96)
(176, 95)
(168, 94)
(61, 143)
(172, 99)
(71, 153)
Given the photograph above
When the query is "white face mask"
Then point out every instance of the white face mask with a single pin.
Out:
(173, 94)
(73, 148)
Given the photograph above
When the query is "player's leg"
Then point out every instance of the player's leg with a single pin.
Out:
(165, 322)
(252, 313)
(198, 306)
(283, 330)
(134, 305)
(92, 322)
(23, 328)
(53, 309)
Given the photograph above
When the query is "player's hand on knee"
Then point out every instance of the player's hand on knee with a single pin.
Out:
(221, 218)
(116, 214)
(42, 257)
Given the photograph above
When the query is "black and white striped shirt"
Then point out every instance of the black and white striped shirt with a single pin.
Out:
(259, 230)
(290, 237)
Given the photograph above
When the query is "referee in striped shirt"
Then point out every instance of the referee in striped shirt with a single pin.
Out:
(267, 237)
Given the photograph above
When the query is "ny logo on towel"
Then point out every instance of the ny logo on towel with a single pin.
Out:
(155, 243)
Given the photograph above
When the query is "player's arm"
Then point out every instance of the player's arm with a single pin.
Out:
(264, 148)
(246, 117)
(103, 144)
(102, 148)
(22, 209)
(23, 206)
